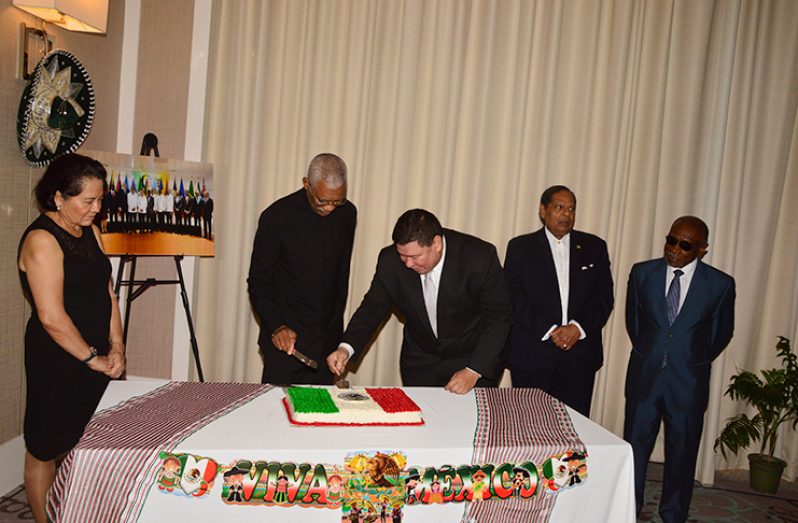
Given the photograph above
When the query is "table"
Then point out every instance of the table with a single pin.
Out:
(260, 430)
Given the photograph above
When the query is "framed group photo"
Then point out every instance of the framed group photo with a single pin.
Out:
(156, 206)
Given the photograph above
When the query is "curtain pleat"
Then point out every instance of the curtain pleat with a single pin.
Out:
(647, 109)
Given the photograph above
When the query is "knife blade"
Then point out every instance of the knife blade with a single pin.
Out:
(310, 362)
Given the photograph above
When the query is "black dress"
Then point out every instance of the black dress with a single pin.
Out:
(62, 392)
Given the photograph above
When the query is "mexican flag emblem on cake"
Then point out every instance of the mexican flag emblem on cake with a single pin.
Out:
(355, 406)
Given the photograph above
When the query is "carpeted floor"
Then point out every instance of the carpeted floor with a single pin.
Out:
(14, 506)
(730, 500)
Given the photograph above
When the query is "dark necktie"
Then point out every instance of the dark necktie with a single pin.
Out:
(672, 299)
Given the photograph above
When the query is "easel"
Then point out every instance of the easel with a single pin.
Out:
(136, 288)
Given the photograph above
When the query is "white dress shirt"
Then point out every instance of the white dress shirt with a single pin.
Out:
(437, 270)
(561, 253)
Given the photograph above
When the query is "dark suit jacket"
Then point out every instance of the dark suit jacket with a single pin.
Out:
(698, 335)
(532, 284)
(473, 308)
(299, 273)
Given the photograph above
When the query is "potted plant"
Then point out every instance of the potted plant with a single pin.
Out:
(775, 398)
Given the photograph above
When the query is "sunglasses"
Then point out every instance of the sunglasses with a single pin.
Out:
(683, 245)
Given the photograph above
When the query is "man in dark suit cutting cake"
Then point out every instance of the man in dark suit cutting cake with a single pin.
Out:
(450, 290)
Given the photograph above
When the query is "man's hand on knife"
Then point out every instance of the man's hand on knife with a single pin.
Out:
(284, 338)
(337, 361)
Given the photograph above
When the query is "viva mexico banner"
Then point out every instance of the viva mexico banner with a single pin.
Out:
(370, 484)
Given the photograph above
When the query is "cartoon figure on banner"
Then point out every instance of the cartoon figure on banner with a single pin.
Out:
(385, 509)
(480, 486)
(396, 513)
(555, 473)
(281, 495)
(436, 492)
(193, 475)
(167, 479)
(411, 482)
(575, 466)
(565, 471)
(335, 490)
(234, 481)
(520, 480)
(354, 513)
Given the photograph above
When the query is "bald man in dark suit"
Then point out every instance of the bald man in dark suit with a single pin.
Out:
(680, 317)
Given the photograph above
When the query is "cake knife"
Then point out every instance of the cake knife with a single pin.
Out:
(310, 362)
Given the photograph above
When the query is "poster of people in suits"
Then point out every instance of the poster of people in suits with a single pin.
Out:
(156, 206)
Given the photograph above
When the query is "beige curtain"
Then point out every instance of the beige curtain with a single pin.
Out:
(646, 109)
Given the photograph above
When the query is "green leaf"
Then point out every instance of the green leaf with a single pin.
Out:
(738, 434)
(774, 396)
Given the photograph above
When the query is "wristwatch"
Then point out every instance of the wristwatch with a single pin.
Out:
(90, 356)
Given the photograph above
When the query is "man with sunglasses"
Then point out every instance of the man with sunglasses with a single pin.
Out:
(299, 273)
(680, 317)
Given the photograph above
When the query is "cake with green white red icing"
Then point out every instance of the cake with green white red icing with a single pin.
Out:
(355, 406)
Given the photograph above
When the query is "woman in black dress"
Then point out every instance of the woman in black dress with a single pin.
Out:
(73, 341)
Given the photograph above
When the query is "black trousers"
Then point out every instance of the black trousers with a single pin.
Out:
(682, 438)
(574, 388)
(439, 375)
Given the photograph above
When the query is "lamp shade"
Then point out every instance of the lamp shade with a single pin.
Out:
(87, 16)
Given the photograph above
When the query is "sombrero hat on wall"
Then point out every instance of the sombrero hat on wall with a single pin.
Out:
(56, 110)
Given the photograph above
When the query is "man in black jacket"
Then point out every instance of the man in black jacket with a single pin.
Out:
(450, 290)
(299, 273)
(561, 287)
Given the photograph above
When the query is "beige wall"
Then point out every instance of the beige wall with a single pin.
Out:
(160, 107)
(14, 214)
(100, 55)
(162, 84)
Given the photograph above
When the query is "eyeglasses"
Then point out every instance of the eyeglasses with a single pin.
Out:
(683, 245)
(324, 203)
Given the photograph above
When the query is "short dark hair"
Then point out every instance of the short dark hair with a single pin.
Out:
(545, 198)
(416, 225)
(695, 222)
(66, 174)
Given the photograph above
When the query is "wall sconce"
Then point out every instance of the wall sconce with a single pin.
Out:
(33, 45)
(86, 16)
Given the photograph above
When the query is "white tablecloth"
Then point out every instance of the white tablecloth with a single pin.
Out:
(259, 430)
